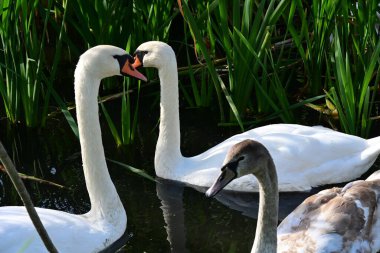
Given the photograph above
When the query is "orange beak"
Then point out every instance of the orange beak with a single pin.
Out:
(137, 62)
(130, 69)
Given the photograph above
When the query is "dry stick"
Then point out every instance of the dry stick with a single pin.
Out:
(20, 187)
(36, 179)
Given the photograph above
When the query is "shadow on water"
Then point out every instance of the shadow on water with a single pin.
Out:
(162, 217)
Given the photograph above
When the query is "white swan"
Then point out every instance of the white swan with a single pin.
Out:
(335, 220)
(107, 220)
(305, 156)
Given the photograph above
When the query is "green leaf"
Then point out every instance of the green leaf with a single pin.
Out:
(133, 169)
(111, 125)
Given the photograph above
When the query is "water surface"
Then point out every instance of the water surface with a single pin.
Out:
(163, 216)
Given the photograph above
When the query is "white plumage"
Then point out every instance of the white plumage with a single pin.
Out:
(107, 220)
(305, 157)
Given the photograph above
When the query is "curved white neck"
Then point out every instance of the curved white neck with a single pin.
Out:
(105, 202)
(168, 151)
(266, 229)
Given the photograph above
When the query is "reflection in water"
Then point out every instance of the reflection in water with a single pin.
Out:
(197, 224)
(170, 194)
(194, 223)
(2, 190)
(247, 203)
(172, 200)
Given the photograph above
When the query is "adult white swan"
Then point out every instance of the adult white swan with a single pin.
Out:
(305, 156)
(107, 220)
(334, 220)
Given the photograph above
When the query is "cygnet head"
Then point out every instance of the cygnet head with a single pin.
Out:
(243, 158)
(105, 61)
(155, 54)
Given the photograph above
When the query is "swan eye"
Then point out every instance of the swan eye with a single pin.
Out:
(123, 58)
(232, 165)
(141, 54)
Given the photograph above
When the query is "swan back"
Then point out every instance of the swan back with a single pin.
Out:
(335, 220)
(341, 158)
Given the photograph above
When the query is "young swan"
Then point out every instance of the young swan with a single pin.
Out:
(251, 157)
(334, 220)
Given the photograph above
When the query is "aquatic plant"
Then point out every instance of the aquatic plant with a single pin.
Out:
(252, 61)
(276, 48)
(132, 23)
(339, 47)
(355, 66)
(201, 92)
(217, 80)
(26, 77)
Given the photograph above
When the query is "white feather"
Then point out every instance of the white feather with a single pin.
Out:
(305, 157)
(107, 220)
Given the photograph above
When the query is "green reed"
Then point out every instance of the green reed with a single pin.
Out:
(125, 24)
(273, 48)
(256, 60)
(26, 80)
(201, 93)
(247, 43)
(355, 66)
(310, 28)
(217, 80)
(257, 78)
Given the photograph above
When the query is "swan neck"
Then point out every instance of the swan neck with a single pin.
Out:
(104, 199)
(266, 229)
(168, 150)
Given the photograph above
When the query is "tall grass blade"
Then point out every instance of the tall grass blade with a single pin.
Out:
(111, 125)
(214, 75)
(133, 169)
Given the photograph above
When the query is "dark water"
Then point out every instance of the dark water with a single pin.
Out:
(163, 216)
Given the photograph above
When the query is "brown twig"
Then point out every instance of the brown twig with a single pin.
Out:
(32, 178)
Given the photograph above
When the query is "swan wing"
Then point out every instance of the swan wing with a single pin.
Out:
(304, 156)
(335, 220)
(374, 176)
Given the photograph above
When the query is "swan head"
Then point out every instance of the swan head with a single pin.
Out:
(246, 157)
(104, 61)
(155, 54)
